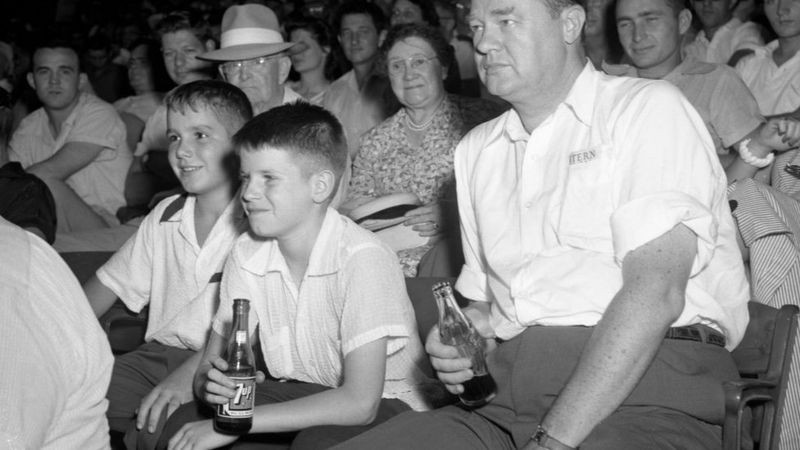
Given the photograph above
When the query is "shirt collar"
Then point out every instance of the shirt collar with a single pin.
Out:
(690, 66)
(172, 211)
(583, 94)
(579, 100)
(324, 259)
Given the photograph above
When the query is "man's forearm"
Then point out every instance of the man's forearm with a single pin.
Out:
(617, 355)
(625, 341)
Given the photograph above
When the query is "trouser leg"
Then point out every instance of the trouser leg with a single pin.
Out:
(134, 375)
(266, 393)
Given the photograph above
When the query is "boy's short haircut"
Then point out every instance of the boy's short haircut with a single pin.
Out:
(302, 129)
(225, 100)
(360, 7)
(185, 20)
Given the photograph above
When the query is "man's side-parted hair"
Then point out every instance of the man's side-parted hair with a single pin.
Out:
(556, 6)
(185, 20)
(309, 131)
(360, 7)
(53, 42)
(225, 100)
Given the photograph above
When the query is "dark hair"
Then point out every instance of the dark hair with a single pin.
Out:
(360, 7)
(225, 100)
(186, 20)
(427, 33)
(309, 131)
(323, 34)
(54, 43)
(161, 80)
(429, 14)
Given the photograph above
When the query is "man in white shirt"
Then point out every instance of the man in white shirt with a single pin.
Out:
(358, 98)
(650, 32)
(596, 231)
(75, 143)
(252, 56)
(56, 361)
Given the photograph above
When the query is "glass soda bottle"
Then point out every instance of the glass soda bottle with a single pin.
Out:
(236, 416)
(456, 330)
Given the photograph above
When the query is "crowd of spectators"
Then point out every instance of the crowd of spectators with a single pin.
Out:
(115, 119)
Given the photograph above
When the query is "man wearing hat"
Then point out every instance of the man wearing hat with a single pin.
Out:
(252, 56)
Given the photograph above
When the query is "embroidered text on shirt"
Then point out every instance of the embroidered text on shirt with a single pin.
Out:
(582, 157)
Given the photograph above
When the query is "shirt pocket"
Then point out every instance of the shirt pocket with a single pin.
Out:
(584, 213)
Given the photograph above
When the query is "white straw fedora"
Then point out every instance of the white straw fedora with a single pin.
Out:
(248, 31)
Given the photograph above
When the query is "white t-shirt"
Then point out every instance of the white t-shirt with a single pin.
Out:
(163, 266)
(55, 361)
(548, 217)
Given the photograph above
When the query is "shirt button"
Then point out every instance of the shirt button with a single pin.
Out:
(529, 205)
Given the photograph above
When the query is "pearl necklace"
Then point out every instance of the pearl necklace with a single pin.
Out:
(423, 126)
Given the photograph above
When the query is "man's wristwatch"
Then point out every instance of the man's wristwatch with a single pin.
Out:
(542, 439)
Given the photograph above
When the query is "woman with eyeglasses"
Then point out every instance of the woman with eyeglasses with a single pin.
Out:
(423, 12)
(412, 151)
(312, 59)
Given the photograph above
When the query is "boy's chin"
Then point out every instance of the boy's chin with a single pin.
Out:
(262, 230)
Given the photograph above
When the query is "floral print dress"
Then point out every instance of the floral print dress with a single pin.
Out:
(388, 163)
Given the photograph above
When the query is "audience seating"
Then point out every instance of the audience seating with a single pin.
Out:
(754, 403)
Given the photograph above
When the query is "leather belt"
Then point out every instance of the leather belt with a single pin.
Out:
(697, 333)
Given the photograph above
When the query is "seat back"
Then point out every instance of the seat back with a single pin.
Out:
(763, 359)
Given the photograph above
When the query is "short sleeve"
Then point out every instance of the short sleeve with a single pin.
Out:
(734, 110)
(129, 271)
(100, 125)
(376, 302)
(666, 173)
(747, 36)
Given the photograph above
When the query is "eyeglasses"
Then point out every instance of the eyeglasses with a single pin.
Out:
(417, 63)
(228, 69)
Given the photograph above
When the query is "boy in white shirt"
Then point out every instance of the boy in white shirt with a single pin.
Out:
(174, 261)
(328, 299)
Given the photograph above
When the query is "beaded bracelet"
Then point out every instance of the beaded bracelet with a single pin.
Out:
(749, 158)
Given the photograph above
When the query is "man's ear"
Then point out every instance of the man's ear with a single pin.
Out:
(322, 185)
(684, 21)
(572, 20)
(284, 67)
(210, 45)
(31, 83)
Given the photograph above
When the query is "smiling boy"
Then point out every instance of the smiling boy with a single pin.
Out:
(335, 324)
(173, 263)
